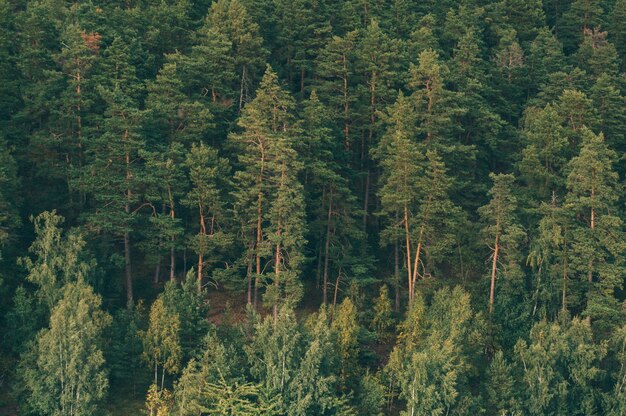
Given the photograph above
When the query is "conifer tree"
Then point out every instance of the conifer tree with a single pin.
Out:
(112, 174)
(597, 234)
(501, 230)
(231, 18)
(269, 198)
(210, 180)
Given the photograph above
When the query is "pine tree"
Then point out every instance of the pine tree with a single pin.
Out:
(544, 156)
(582, 15)
(329, 199)
(335, 67)
(597, 244)
(414, 188)
(209, 175)
(501, 391)
(501, 230)
(269, 199)
(112, 176)
(231, 18)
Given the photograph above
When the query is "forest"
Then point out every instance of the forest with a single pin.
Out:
(312, 207)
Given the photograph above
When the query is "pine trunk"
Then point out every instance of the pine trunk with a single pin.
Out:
(327, 245)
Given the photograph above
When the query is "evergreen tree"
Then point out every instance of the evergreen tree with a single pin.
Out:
(597, 242)
(210, 178)
(231, 18)
(269, 201)
(501, 231)
(112, 176)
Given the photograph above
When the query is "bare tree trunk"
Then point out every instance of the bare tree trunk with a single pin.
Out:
(564, 298)
(494, 268)
(336, 288)
(201, 235)
(593, 226)
(249, 279)
(259, 231)
(396, 273)
(366, 200)
(277, 277)
(241, 91)
(346, 107)
(408, 253)
(417, 255)
(157, 270)
(127, 265)
(327, 244)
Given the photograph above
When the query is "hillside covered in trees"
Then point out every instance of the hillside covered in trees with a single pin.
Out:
(312, 207)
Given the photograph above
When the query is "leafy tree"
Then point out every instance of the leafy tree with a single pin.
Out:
(57, 261)
(382, 320)
(559, 364)
(64, 371)
(162, 342)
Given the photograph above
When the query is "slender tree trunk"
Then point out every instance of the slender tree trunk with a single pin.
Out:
(201, 235)
(346, 106)
(494, 268)
(336, 288)
(172, 250)
(242, 88)
(366, 200)
(277, 277)
(396, 274)
(157, 270)
(127, 265)
(327, 245)
(408, 253)
(593, 226)
(564, 298)
(259, 231)
(249, 279)
(127, 259)
(417, 255)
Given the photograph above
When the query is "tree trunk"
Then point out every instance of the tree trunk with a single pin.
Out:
(396, 273)
(201, 235)
(494, 268)
(564, 298)
(417, 255)
(408, 253)
(366, 198)
(277, 277)
(259, 231)
(249, 279)
(127, 267)
(157, 270)
(336, 288)
(327, 245)
(346, 107)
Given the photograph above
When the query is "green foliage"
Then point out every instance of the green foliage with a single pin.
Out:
(63, 373)
(413, 146)
(382, 322)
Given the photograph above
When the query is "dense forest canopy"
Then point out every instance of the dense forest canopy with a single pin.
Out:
(312, 207)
